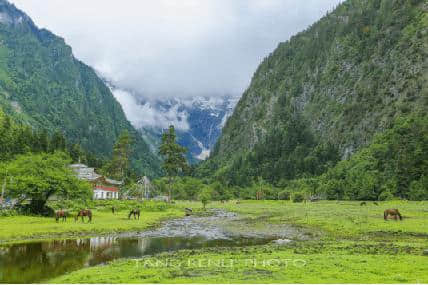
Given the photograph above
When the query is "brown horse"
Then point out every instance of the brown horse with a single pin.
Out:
(135, 212)
(392, 212)
(84, 213)
(61, 214)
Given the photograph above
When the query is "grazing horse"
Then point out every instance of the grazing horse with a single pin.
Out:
(392, 212)
(363, 204)
(84, 213)
(135, 212)
(60, 214)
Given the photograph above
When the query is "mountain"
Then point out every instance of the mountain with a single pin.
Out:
(204, 118)
(325, 93)
(44, 85)
(198, 121)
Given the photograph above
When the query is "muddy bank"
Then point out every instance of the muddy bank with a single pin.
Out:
(221, 224)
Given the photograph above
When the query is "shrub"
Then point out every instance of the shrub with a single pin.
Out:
(8, 212)
(298, 197)
(284, 195)
(385, 196)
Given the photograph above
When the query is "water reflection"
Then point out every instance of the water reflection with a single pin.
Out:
(38, 261)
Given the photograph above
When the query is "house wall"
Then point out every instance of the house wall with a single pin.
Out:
(101, 194)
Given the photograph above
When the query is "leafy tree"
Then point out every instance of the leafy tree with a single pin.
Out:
(37, 177)
(173, 154)
(205, 196)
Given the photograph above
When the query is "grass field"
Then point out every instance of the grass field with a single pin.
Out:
(21, 228)
(351, 244)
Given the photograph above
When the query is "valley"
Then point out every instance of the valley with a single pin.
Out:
(286, 143)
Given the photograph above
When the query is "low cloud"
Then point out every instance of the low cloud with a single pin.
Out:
(145, 115)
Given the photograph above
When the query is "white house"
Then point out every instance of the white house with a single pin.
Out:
(103, 192)
(99, 182)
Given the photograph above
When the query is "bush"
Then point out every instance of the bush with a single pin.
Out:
(385, 196)
(419, 189)
(284, 195)
(298, 197)
(8, 212)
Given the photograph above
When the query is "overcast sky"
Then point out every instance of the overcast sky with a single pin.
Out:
(175, 48)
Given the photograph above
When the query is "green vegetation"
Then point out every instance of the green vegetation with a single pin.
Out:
(39, 177)
(394, 165)
(349, 81)
(205, 197)
(118, 167)
(338, 112)
(174, 161)
(352, 244)
(43, 85)
(15, 228)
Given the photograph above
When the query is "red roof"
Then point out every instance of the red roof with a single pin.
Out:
(105, 188)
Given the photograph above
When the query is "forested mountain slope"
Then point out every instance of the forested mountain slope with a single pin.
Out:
(325, 93)
(42, 84)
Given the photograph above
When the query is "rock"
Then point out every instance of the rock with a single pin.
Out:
(188, 211)
(282, 241)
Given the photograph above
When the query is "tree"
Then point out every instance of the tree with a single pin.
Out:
(173, 154)
(119, 165)
(57, 142)
(205, 196)
(36, 177)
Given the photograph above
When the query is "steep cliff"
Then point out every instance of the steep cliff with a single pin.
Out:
(322, 95)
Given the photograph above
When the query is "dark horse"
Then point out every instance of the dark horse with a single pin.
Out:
(60, 214)
(84, 213)
(135, 212)
(392, 212)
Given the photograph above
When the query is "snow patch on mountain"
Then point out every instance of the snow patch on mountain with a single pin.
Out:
(198, 121)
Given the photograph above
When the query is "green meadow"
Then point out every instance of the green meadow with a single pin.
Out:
(23, 228)
(347, 243)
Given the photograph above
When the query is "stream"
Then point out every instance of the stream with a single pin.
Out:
(40, 261)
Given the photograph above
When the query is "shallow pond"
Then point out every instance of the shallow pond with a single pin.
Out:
(38, 261)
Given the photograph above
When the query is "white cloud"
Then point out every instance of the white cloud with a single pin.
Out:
(145, 115)
(175, 48)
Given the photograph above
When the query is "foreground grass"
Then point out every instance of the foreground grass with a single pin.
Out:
(353, 245)
(267, 264)
(17, 228)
